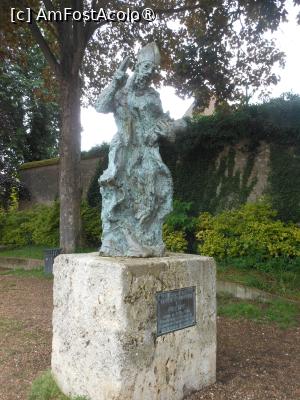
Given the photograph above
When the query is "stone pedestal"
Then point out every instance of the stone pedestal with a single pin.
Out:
(105, 343)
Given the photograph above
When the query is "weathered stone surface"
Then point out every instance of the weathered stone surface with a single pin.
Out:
(104, 327)
(42, 181)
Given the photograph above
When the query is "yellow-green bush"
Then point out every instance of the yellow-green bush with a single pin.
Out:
(14, 228)
(250, 230)
(40, 226)
(175, 240)
(45, 225)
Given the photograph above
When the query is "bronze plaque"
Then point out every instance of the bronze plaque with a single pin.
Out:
(176, 309)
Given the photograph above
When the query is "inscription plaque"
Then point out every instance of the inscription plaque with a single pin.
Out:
(176, 309)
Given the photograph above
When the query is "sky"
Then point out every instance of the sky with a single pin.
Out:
(99, 128)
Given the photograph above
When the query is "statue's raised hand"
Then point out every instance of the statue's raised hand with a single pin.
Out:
(120, 76)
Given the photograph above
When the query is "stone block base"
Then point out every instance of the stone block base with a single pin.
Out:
(105, 344)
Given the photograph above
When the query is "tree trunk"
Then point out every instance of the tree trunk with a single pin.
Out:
(70, 150)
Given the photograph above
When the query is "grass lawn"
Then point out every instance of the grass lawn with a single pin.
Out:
(35, 251)
(45, 388)
(36, 273)
(24, 252)
(282, 313)
(280, 282)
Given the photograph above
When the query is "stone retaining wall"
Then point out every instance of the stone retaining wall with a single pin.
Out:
(22, 263)
(41, 181)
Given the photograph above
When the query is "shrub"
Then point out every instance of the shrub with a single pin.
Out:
(175, 241)
(93, 193)
(180, 218)
(40, 226)
(15, 228)
(178, 229)
(45, 225)
(91, 224)
(250, 230)
(2, 222)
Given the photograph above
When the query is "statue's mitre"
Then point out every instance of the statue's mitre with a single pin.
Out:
(150, 53)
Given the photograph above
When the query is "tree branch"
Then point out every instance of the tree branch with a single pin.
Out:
(78, 26)
(45, 48)
(50, 7)
(79, 42)
(37, 34)
(92, 26)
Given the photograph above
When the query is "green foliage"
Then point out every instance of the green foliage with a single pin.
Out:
(206, 153)
(181, 217)
(264, 265)
(45, 225)
(32, 273)
(251, 230)
(283, 313)
(45, 388)
(31, 251)
(42, 140)
(240, 310)
(284, 179)
(40, 226)
(277, 120)
(28, 118)
(15, 228)
(11, 143)
(175, 241)
(91, 224)
(93, 193)
(96, 151)
(209, 61)
(178, 229)
(31, 105)
(278, 275)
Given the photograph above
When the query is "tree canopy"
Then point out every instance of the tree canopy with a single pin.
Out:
(28, 118)
(209, 47)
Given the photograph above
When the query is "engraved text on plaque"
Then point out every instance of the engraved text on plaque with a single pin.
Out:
(176, 309)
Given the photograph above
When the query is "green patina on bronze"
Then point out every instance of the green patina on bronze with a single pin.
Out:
(136, 187)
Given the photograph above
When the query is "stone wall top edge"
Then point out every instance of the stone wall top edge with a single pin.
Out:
(52, 162)
(169, 257)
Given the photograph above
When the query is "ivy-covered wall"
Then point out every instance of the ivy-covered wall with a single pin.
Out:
(217, 180)
(229, 158)
(207, 179)
(284, 180)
